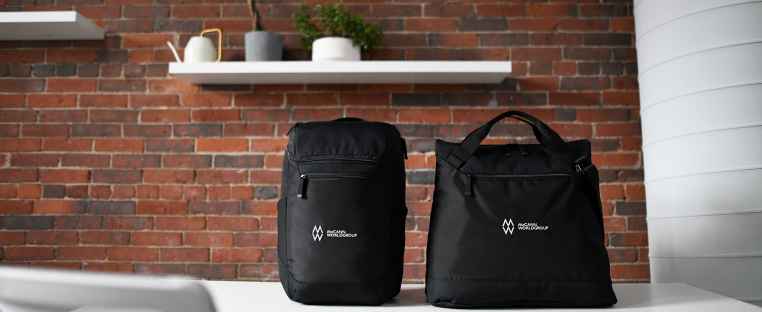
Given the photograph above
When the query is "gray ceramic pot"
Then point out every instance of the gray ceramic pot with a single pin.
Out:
(263, 46)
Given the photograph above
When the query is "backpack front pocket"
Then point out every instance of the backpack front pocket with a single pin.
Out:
(341, 232)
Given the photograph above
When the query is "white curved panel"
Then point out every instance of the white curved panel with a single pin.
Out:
(703, 71)
(717, 193)
(700, 112)
(700, 31)
(734, 277)
(720, 235)
(650, 14)
(706, 152)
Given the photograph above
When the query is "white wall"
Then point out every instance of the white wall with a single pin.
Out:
(700, 64)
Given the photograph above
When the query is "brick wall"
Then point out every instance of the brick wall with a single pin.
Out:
(107, 163)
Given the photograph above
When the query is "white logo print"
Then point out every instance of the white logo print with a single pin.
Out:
(507, 226)
(317, 233)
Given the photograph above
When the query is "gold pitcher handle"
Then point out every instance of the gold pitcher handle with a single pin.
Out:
(219, 41)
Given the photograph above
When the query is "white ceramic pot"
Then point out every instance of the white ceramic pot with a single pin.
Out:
(334, 49)
(700, 96)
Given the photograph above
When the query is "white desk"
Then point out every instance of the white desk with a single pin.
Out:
(260, 296)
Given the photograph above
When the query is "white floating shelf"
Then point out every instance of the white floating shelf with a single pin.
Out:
(363, 72)
(54, 25)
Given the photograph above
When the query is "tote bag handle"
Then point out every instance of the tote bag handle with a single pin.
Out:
(543, 133)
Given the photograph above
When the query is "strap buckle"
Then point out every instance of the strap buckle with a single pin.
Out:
(582, 164)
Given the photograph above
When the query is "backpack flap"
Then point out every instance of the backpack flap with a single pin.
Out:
(346, 138)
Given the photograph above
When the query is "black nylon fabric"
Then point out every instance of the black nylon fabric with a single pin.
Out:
(341, 216)
(517, 225)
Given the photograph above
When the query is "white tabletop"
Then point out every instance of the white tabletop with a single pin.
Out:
(263, 296)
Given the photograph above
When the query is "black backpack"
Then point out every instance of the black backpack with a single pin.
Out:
(517, 225)
(341, 216)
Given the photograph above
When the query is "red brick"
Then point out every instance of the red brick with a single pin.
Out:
(111, 267)
(209, 239)
(218, 192)
(256, 239)
(154, 100)
(133, 254)
(17, 56)
(206, 100)
(317, 114)
(171, 192)
(104, 238)
(574, 98)
(129, 223)
(68, 115)
(22, 85)
(15, 207)
(7, 191)
(203, 11)
(373, 114)
(64, 176)
(541, 10)
(124, 191)
(29, 190)
(157, 239)
(100, 191)
(12, 100)
(216, 115)
(150, 207)
(312, 99)
(68, 144)
(423, 115)
(616, 160)
(609, 192)
(635, 191)
(180, 223)
(235, 224)
(12, 238)
(630, 271)
(171, 86)
(258, 100)
(365, 99)
(535, 54)
(52, 100)
(413, 255)
(81, 253)
(34, 160)
(118, 145)
(184, 255)
(622, 24)
(269, 144)
(591, 115)
(265, 177)
(430, 24)
(146, 40)
(455, 40)
(168, 176)
(621, 98)
(236, 255)
(222, 145)
(168, 115)
(539, 84)
(56, 207)
(617, 129)
(27, 253)
(500, 10)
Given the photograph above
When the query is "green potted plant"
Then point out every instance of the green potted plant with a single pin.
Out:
(337, 36)
(261, 45)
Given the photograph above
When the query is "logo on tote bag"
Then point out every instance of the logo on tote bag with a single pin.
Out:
(507, 226)
(317, 233)
(522, 226)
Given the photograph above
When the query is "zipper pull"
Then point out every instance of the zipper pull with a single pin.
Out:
(300, 192)
(468, 185)
(404, 147)
(292, 128)
(507, 150)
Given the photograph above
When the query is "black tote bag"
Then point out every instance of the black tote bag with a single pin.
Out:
(517, 225)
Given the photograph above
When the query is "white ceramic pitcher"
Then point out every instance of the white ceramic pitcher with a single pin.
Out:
(201, 49)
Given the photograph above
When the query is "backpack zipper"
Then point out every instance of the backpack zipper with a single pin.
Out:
(330, 176)
(470, 176)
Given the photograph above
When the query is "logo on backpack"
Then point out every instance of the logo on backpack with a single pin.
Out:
(317, 233)
(507, 226)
